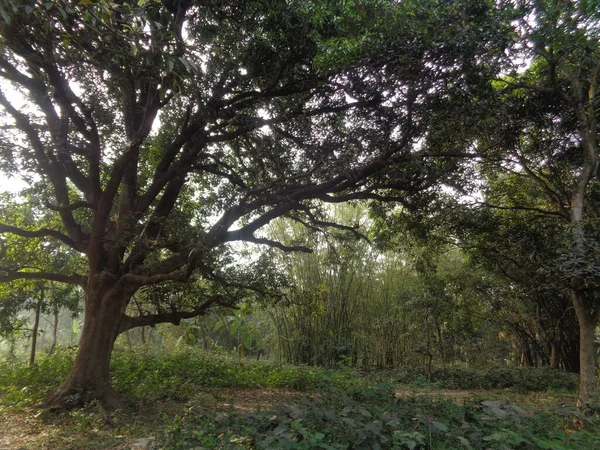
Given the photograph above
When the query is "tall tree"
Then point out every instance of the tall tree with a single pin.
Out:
(154, 133)
(547, 132)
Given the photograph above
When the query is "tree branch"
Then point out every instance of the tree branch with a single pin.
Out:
(12, 275)
(275, 244)
(70, 207)
(47, 167)
(521, 208)
(40, 233)
(174, 317)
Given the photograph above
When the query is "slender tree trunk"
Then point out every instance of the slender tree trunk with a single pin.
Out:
(526, 354)
(555, 353)
(440, 337)
(588, 129)
(588, 384)
(89, 377)
(556, 347)
(36, 325)
(54, 330)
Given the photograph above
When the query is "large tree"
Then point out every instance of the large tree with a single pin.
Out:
(544, 130)
(154, 133)
(535, 134)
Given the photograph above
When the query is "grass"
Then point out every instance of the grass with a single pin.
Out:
(187, 399)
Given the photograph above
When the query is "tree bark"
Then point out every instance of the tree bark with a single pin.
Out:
(588, 385)
(89, 378)
(586, 115)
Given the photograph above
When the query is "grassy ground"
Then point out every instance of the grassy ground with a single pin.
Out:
(187, 400)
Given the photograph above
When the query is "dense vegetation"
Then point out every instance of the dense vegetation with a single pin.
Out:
(178, 397)
(375, 192)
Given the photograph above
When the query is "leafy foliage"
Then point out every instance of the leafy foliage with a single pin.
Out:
(22, 385)
(518, 379)
(339, 422)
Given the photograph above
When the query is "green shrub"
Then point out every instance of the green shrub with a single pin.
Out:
(147, 374)
(519, 379)
(21, 385)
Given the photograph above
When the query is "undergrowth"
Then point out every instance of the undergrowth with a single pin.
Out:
(519, 379)
(144, 374)
(341, 422)
(343, 411)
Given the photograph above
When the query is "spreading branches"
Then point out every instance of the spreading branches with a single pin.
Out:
(41, 233)
(174, 317)
(243, 137)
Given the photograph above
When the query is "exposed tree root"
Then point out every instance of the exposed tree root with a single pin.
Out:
(70, 398)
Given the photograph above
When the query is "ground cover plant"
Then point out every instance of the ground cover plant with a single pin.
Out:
(189, 399)
(525, 379)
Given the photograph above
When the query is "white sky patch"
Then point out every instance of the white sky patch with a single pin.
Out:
(350, 99)
(469, 199)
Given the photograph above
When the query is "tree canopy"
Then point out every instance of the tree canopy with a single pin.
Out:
(155, 133)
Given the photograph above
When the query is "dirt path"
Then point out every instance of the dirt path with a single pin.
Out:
(19, 430)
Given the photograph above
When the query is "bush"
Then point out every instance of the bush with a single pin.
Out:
(21, 385)
(147, 374)
(519, 379)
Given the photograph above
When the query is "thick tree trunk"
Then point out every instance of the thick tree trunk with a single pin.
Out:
(588, 384)
(89, 377)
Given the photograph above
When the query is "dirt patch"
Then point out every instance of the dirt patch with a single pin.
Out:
(19, 430)
(452, 393)
(247, 400)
